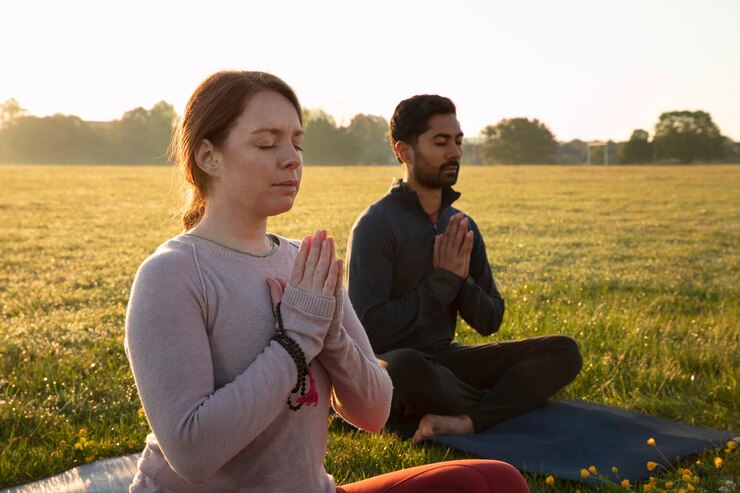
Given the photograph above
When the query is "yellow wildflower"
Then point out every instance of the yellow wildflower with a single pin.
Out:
(592, 469)
(584, 473)
(614, 469)
(691, 487)
(686, 477)
(651, 442)
(695, 480)
(550, 480)
(668, 485)
(651, 465)
(732, 445)
(625, 484)
(718, 462)
(82, 432)
(648, 488)
(90, 458)
(682, 490)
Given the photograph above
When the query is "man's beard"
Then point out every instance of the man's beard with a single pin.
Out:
(438, 179)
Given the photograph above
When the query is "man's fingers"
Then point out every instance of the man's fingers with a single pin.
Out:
(435, 251)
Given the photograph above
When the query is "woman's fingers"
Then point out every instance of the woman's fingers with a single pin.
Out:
(324, 264)
(276, 290)
(330, 284)
(299, 266)
(313, 256)
(340, 274)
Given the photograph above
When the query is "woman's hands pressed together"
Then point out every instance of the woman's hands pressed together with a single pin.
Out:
(315, 271)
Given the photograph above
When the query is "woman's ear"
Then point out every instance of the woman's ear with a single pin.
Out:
(206, 156)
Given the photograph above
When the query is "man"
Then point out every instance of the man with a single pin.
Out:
(414, 264)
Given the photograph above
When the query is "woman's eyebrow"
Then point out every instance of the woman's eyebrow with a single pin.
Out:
(275, 131)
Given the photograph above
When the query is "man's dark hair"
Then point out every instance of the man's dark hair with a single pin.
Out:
(411, 117)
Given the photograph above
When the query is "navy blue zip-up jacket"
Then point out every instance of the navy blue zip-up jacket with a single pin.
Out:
(401, 299)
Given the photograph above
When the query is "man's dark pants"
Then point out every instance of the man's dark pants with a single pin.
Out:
(487, 382)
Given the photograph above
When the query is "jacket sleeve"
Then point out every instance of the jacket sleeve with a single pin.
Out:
(479, 302)
(199, 427)
(360, 388)
(370, 274)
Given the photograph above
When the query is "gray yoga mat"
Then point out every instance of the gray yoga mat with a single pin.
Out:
(563, 437)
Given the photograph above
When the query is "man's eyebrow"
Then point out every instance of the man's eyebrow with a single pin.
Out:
(275, 131)
(446, 136)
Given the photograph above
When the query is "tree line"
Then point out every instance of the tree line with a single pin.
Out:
(142, 136)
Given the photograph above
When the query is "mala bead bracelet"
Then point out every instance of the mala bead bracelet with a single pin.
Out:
(306, 396)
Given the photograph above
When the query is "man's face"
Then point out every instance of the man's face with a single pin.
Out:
(434, 162)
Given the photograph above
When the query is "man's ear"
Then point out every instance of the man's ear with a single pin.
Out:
(404, 152)
(206, 156)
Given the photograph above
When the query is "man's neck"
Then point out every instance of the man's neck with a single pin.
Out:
(429, 198)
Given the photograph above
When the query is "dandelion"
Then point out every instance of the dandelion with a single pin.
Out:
(682, 490)
(592, 469)
(686, 477)
(585, 473)
(90, 458)
(651, 441)
(615, 470)
(625, 484)
(669, 485)
(691, 487)
(732, 445)
(648, 488)
(718, 462)
(550, 480)
(651, 465)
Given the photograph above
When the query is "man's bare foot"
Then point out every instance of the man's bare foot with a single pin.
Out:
(434, 424)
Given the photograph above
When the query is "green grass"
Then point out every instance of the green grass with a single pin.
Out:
(639, 264)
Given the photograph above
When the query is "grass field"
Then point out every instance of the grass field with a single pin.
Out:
(640, 264)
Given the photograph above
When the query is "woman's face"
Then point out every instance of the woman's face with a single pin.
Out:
(260, 163)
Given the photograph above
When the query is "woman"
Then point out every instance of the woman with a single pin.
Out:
(239, 339)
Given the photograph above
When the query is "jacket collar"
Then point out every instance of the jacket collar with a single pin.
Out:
(400, 189)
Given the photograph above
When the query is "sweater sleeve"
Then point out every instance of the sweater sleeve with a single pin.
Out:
(479, 302)
(198, 427)
(361, 388)
(370, 273)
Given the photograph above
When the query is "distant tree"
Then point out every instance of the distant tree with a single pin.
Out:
(142, 136)
(370, 135)
(573, 152)
(325, 143)
(688, 136)
(59, 139)
(637, 150)
(10, 110)
(518, 141)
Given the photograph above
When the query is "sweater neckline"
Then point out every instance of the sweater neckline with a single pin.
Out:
(278, 257)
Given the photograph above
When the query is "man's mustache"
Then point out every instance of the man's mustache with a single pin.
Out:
(450, 164)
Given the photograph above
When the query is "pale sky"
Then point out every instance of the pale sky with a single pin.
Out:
(588, 69)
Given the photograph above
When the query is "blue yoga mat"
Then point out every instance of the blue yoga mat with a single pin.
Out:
(563, 437)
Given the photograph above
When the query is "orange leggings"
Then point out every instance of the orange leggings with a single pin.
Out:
(460, 476)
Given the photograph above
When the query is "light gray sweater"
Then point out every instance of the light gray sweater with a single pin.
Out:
(213, 385)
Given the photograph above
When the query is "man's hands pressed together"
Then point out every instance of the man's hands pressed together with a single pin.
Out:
(453, 247)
